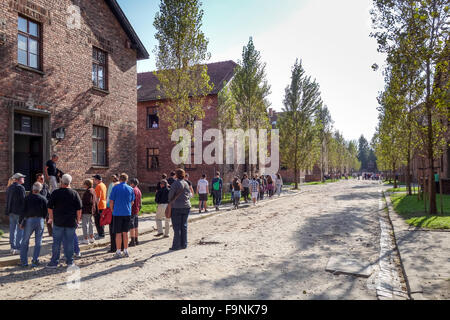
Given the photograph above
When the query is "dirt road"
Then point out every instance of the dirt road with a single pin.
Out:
(276, 250)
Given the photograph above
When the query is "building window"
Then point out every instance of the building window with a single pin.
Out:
(152, 118)
(28, 43)
(99, 69)
(99, 146)
(152, 158)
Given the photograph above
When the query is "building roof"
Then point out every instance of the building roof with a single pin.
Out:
(126, 25)
(219, 73)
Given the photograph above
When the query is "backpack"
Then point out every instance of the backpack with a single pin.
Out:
(216, 185)
(106, 217)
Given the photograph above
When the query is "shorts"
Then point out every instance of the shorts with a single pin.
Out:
(255, 195)
(121, 224)
(134, 221)
(203, 197)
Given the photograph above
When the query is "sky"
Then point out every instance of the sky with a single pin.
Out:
(330, 37)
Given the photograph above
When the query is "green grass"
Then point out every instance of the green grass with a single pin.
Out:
(413, 211)
(387, 183)
(401, 189)
(149, 205)
(319, 182)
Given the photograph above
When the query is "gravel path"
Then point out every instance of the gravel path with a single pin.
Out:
(276, 250)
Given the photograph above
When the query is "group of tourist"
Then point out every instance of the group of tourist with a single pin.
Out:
(63, 210)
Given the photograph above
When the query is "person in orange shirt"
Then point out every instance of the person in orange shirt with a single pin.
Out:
(100, 191)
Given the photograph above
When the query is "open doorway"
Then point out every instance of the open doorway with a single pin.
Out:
(28, 147)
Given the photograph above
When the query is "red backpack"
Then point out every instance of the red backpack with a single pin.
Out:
(106, 217)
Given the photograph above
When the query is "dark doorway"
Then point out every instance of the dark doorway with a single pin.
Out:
(28, 147)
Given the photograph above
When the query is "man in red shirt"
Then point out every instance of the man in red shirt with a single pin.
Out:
(135, 209)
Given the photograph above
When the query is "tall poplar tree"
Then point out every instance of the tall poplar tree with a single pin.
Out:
(250, 90)
(298, 129)
(181, 51)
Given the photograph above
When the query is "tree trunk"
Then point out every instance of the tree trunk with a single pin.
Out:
(395, 176)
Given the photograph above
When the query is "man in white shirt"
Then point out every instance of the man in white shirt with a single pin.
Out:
(202, 191)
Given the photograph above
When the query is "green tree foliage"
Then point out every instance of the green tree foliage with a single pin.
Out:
(325, 126)
(298, 126)
(250, 89)
(182, 48)
(363, 153)
(414, 34)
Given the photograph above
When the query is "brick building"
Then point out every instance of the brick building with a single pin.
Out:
(68, 85)
(154, 144)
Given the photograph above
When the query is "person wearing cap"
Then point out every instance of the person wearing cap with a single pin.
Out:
(172, 178)
(135, 209)
(15, 202)
(101, 192)
(51, 173)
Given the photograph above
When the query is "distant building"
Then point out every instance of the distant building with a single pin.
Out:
(153, 142)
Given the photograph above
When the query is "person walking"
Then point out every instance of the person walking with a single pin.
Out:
(101, 193)
(15, 201)
(245, 187)
(51, 173)
(32, 221)
(121, 200)
(262, 187)
(237, 188)
(270, 186)
(90, 209)
(279, 184)
(162, 200)
(202, 191)
(64, 209)
(217, 190)
(254, 188)
(135, 209)
(179, 198)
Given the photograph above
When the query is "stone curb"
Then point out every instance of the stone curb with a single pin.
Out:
(15, 260)
(412, 283)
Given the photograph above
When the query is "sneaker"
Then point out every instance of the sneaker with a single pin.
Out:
(126, 255)
(52, 266)
(132, 243)
(117, 255)
(159, 234)
(71, 265)
(23, 265)
(91, 240)
(84, 241)
(15, 252)
(35, 264)
(77, 255)
(206, 211)
(166, 236)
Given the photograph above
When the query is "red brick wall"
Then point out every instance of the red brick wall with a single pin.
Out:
(159, 138)
(66, 88)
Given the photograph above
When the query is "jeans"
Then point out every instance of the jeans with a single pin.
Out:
(35, 225)
(15, 233)
(279, 189)
(217, 197)
(66, 237)
(236, 197)
(179, 224)
(53, 183)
